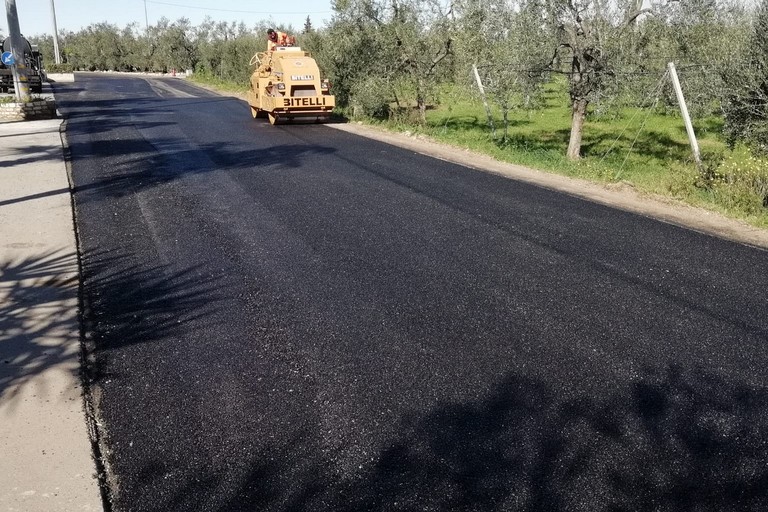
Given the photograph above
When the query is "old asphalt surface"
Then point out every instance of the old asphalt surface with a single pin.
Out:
(45, 448)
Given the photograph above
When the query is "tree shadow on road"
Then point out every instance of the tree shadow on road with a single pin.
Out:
(129, 304)
(673, 439)
(141, 167)
(39, 323)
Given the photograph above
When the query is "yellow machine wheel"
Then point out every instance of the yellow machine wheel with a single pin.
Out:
(272, 118)
(254, 112)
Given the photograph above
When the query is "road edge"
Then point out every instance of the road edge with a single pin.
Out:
(90, 399)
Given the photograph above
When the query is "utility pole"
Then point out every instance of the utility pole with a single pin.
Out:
(684, 112)
(146, 33)
(19, 69)
(56, 54)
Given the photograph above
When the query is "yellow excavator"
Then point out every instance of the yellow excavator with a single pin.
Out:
(286, 85)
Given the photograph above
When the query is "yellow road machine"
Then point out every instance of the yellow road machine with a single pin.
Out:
(286, 85)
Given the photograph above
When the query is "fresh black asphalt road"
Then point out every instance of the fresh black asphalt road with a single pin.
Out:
(297, 318)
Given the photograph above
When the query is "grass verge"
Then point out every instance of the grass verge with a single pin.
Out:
(217, 84)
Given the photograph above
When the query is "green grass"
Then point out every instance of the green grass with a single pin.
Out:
(219, 85)
(59, 68)
(11, 98)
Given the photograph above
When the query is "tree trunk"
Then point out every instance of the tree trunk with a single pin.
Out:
(422, 103)
(506, 123)
(577, 125)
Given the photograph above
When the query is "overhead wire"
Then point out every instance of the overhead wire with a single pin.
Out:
(640, 130)
(656, 92)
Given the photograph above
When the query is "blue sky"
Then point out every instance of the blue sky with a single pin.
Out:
(35, 15)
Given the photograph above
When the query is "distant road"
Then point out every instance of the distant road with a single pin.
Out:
(298, 318)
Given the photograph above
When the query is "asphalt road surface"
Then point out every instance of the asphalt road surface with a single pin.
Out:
(298, 318)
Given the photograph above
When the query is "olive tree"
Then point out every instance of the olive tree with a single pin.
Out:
(172, 44)
(746, 106)
(421, 32)
(511, 53)
(706, 39)
(594, 51)
(389, 47)
(352, 50)
(99, 46)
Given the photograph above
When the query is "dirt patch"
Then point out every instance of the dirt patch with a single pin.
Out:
(620, 195)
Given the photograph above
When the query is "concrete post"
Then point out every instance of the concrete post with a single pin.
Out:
(485, 101)
(19, 70)
(56, 54)
(684, 112)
